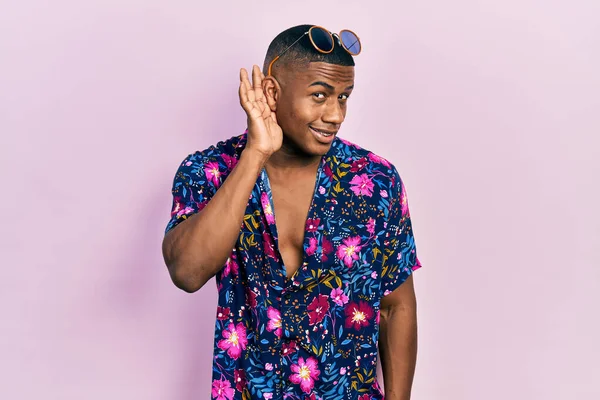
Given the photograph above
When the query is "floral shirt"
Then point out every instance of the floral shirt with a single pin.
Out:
(314, 335)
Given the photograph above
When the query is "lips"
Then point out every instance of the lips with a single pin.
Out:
(323, 136)
(323, 132)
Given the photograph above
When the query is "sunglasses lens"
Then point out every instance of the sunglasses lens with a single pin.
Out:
(351, 42)
(322, 39)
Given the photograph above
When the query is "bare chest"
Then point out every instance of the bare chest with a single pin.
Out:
(292, 199)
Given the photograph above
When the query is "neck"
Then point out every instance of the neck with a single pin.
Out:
(288, 158)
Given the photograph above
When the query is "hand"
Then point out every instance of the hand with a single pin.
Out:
(264, 134)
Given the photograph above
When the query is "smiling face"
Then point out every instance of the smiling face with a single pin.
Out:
(310, 105)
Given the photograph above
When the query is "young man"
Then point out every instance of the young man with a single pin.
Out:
(308, 235)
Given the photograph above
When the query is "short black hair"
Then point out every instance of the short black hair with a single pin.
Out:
(303, 52)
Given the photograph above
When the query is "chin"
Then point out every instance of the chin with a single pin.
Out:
(316, 148)
(307, 144)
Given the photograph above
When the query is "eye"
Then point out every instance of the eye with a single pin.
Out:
(319, 96)
(344, 96)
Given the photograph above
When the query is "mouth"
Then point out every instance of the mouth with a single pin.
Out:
(322, 132)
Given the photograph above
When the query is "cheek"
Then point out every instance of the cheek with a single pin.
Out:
(308, 110)
(301, 111)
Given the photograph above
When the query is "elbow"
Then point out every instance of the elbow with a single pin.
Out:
(183, 275)
(184, 279)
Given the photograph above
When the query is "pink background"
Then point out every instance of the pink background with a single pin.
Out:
(489, 109)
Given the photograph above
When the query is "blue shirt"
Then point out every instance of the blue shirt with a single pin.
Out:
(314, 335)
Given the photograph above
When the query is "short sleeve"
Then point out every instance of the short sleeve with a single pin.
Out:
(195, 183)
(400, 253)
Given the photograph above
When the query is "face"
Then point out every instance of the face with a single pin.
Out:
(310, 105)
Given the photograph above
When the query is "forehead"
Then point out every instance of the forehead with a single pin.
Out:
(333, 74)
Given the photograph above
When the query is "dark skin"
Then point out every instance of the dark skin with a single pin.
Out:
(314, 98)
(283, 113)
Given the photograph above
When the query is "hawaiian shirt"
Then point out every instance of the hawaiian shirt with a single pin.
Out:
(314, 335)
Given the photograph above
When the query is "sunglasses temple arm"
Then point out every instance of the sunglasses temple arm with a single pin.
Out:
(290, 46)
(283, 52)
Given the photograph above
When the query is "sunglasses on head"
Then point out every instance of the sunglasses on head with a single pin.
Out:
(322, 41)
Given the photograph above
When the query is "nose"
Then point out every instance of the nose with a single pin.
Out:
(333, 113)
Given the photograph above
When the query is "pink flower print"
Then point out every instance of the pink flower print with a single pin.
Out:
(269, 246)
(229, 161)
(327, 248)
(377, 387)
(365, 397)
(239, 378)
(349, 250)
(384, 194)
(339, 297)
(305, 373)
(188, 163)
(266, 203)
(343, 371)
(177, 206)
(268, 396)
(317, 309)
(371, 226)
(234, 340)
(358, 165)
(362, 185)
(327, 171)
(269, 367)
(274, 323)
(223, 313)
(211, 169)
(251, 298)
(374, 275)
(231, 265)
(312, 246)
(222, 390)
(185, 211)
(289, 348)
(312, 224)
(379, 160)
(358, 315)
(321, 190)
(179, 209)
(404, 203)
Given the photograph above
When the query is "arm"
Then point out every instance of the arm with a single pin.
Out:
(197, 248)
(398, 340)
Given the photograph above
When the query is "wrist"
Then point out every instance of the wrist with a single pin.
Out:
(254, 158)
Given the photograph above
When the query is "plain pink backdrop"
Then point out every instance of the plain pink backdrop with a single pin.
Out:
(489, 109)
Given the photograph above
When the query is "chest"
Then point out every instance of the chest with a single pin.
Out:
(292, 200)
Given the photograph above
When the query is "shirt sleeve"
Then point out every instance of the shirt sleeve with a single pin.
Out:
(195, 183)
(400, 253)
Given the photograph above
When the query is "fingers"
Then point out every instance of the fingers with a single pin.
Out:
(257, 76)
(246, 94)
(252, 98)
(243, 91)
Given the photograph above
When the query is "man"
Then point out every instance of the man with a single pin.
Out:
(308, 235)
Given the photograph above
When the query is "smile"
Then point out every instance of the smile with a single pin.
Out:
(322, 133)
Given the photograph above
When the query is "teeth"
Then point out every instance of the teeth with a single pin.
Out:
(322, 133)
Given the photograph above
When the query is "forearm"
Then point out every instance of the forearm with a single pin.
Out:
(398, 349)
(198, 247)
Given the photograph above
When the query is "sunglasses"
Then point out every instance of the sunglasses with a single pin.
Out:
(322, 41)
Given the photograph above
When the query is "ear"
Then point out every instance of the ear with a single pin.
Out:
(272, 91)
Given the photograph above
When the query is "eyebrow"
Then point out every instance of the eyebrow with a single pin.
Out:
(327, 85)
